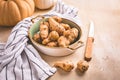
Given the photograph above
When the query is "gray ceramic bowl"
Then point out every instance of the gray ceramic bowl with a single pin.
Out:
(56, 51)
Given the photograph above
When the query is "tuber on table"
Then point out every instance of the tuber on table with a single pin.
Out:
(82, 66)
(64, 65)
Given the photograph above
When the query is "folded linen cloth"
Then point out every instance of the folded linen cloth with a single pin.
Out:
(19, 60)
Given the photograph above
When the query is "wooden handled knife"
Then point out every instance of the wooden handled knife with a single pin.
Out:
(89, 44)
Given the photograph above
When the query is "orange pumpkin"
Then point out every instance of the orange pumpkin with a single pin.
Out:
(12, 11)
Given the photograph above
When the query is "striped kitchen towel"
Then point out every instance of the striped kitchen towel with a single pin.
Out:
(19, 60)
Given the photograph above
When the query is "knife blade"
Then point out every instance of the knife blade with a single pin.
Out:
(89, 43)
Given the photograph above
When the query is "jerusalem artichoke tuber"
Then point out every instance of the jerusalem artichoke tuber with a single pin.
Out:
(58, 19)
(82, 66)
(55, 26)
(43, 31)
(45, 41)
(66, 26)
(63, 42)
(52, 44)
(64, 65)
(53, 36)
(36, 37)
(71, 34)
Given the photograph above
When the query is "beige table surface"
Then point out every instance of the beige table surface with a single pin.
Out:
(105, 63)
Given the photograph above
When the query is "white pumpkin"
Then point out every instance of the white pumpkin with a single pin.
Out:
(43, 4)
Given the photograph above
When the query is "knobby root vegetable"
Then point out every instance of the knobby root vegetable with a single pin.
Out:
(71, 34)
(58, 19)
(36, 37)
(66, 26)
(55, 26)
(63, 41)
(53, 36)
(43, 30)
(67, 33)
(46, 23)
(64, 65)
(52, 44)
(74, 32)
(45, 41)
(82, 66)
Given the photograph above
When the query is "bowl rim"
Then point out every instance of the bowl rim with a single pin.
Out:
(55, 47)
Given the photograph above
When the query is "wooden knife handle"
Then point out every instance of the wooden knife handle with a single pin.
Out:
(88, 50)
